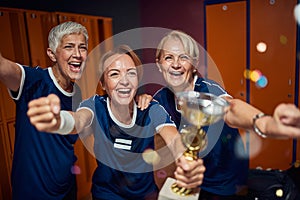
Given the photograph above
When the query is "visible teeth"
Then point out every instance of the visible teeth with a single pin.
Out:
(176, 73)
(124, 90)
(75, 63)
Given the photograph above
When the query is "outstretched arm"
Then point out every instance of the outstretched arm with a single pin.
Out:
(10, 74)
(285, 121)
(45, 114)
(239, 114)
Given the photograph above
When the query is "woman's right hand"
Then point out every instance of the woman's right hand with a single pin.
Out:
(44, 113)
(189, 174)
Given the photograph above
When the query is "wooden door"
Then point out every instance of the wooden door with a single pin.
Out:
(13, 37)
(226, 44)
(272, 22)
(39, 25)
(5, 155)
(13, 46)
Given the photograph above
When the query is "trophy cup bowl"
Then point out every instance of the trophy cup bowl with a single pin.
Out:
(199, 109)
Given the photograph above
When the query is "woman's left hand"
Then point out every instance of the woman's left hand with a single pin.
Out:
(143, 101)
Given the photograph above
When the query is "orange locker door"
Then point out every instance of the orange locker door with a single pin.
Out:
(38, 26)
(13, 36)
(13, 46)
(86, 21)
(6, 158)
(5, 187)
(226, 44)
(273, 23)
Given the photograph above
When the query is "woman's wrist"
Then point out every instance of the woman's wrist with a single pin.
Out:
(67, 123)
(259, 124)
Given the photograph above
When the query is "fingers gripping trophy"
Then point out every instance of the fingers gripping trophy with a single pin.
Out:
(198, 109)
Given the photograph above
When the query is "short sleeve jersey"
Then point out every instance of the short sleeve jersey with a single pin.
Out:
(122, 173)
(42, 161)
(228, 153)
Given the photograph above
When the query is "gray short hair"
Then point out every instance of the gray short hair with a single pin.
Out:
(67, 28)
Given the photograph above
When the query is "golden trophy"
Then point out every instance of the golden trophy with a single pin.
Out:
(198, 109)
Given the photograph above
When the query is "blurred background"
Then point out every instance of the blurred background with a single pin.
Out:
(253, 43)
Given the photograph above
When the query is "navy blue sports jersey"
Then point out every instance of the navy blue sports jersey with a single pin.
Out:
(42, 161)
(122, 172)
(223, 157)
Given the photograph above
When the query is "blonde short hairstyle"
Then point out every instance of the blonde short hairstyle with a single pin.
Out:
(190, 45)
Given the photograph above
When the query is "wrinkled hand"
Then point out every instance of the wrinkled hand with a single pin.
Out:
(189, 174)
(44, 113)
(143, 101)
(287, 118)
(288, 114)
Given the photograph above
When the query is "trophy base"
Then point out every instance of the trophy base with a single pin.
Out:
(166, 192)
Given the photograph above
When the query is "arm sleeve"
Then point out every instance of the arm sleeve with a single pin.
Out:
(160, 117)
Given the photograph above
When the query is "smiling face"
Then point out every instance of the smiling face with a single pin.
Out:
(176, 66)
(69, 58)
(120, 79)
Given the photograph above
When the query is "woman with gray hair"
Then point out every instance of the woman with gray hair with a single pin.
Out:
(42, 163)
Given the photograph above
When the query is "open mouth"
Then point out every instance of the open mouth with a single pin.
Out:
(75, 66)
(176, 73)
(124, 91)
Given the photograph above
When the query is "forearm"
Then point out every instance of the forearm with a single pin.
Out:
(284, 122)
(83, 119)
(10, 74)
(173, 140)
(240, 114)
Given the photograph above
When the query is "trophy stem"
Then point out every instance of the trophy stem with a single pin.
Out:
(199, 109)
(190, 155)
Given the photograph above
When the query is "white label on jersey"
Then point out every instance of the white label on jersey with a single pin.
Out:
(125, 144)
(123, 141)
